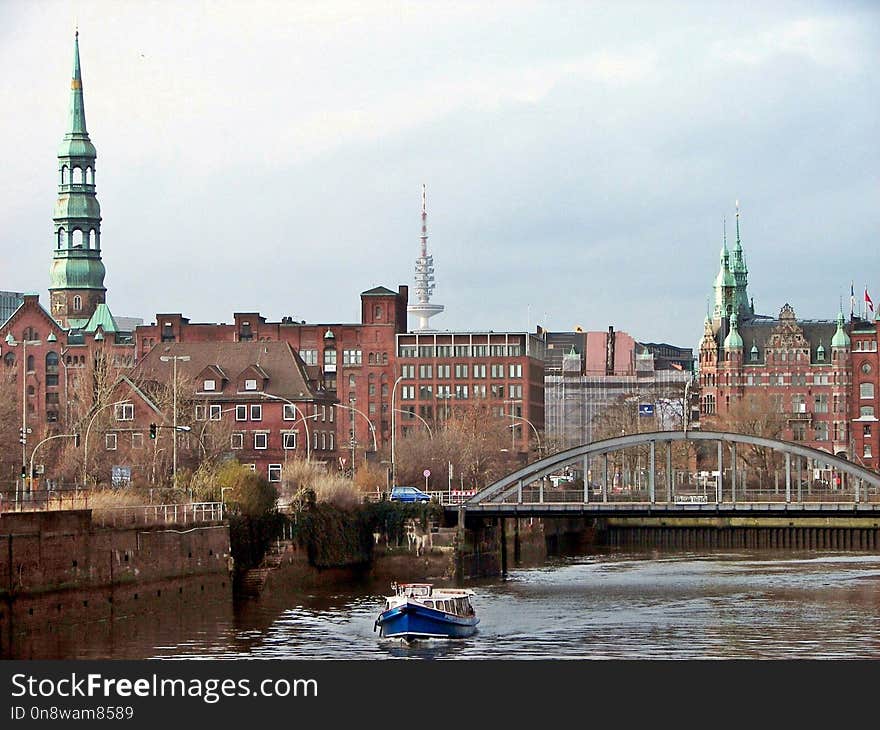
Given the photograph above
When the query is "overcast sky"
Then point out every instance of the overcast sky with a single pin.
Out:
(579, 157)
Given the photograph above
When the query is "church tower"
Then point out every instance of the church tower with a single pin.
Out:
(77, 275)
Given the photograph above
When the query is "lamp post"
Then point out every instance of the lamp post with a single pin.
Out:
(11, 341)
(302, 418)
(369, 422)
(48, 438)
(537, 438)
(411, 413)
(205, 425)
(174, 359)
(393, 429)
(89, 428)
(512, 424)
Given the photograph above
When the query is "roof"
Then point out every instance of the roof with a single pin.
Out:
(103, 318)
(378, 291)
(285, 371)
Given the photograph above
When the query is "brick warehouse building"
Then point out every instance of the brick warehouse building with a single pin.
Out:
(351, 363)
(441, 371)
(255, 400)
(801, 366)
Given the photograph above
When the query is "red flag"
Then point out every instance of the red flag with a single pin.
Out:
(868, 302)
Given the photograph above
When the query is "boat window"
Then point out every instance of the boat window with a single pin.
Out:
(429, 604)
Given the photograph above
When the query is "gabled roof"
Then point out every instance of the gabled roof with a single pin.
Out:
(103, 318)
(140, 393)
(378, 291)
(277, 361)
(24, 305)
(253, 368)
(214, 370)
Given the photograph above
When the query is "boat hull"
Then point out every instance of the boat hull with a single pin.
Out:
(412, 621)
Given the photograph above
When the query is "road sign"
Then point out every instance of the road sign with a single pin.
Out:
(120, 476)
(646, 409)
(426, 473)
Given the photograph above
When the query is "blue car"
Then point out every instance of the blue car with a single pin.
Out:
(409, 494)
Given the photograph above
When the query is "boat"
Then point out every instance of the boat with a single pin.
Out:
(420, 611)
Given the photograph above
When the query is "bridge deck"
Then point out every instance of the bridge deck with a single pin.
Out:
(622, 509)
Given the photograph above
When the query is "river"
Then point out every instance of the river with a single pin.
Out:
(622, 605)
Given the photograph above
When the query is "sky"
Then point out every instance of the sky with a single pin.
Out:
(580, 157)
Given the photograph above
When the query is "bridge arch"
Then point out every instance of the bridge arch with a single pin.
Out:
(507, 485)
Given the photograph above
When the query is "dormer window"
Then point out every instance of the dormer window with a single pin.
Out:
(210, 385)
(250, 384)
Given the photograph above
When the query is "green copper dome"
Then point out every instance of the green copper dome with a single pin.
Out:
(733, 339)
(841, 338)
(68, 272)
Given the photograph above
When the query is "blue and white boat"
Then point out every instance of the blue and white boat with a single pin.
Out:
(419, 611)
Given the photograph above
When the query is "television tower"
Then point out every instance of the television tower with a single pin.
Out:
(423, 309)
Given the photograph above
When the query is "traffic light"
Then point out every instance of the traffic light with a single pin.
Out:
(22, 438)
(76, 440)
(152, 430)
(23, 471)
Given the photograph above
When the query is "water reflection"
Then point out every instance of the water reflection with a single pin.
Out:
(603, 605)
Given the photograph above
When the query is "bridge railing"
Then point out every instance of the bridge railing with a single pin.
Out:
(536, 494)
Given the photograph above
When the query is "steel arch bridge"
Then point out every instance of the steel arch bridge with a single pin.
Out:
(859, 490)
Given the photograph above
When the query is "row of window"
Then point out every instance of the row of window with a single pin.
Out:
(462, 371)
(349, 357)
(259, 440)
(795, 379)
(462, 392)
(408, 351)
(76, 176)
(254, 412)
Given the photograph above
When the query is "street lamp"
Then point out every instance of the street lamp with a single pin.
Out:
(11, 341)
(393, 429)
(372, 428)
(208, 419)
(48, 438)
(303, 418)
(88, 428)
(512, 424)
(174, 359)
(537, 438)
(416, 415)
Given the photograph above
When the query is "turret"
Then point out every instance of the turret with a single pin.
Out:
(725, 285)
(740, 274)
(841, 338)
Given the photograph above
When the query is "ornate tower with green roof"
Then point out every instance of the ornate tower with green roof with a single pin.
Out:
(77, 275)
(740, 274)
(725, 286)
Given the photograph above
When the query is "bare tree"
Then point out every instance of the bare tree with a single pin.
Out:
(474, 440)
(757, 413)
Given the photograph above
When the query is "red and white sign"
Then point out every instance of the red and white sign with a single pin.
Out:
(426, 473)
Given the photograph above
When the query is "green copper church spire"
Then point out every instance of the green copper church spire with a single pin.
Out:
(725, 283)
(740, 273)
(77, 274)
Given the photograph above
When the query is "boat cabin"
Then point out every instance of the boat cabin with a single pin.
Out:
(448, 600)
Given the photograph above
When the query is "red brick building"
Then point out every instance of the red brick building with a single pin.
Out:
(802, 367)
(440, 371)
(352, 362)
(253, 400)
(865, 390)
